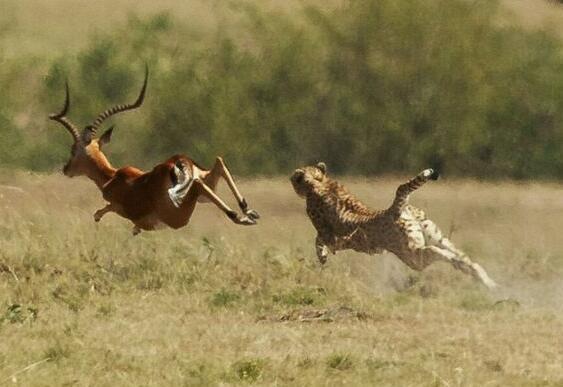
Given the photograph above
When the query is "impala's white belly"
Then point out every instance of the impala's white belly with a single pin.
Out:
(186, 179)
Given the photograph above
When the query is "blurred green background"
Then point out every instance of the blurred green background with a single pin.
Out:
(370, 87)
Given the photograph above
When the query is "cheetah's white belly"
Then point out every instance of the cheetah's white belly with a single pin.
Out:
(413, 229)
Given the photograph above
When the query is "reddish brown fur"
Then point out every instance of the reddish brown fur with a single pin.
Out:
(143, 197)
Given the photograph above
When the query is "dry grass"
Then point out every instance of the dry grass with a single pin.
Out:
(88, 304)
(536, 14)
(40, 27)
(51, 28)
(217, 304)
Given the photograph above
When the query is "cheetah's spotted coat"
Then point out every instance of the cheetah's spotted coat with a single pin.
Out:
(343, 222)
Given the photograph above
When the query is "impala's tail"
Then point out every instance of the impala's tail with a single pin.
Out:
(404, 190)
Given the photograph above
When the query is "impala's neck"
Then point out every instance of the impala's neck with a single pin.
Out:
(102, 171)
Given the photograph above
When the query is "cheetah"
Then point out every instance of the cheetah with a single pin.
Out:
(343, 222)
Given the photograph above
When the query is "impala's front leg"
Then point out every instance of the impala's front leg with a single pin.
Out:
(208, 193)
(220, 170)
(101, 212)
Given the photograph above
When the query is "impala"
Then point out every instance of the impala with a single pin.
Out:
(166, 195)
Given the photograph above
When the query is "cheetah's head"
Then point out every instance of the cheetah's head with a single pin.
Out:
(304, 179)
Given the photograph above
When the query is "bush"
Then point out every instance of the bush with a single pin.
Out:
(378, 86)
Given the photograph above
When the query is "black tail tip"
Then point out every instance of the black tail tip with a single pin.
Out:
(435, 174)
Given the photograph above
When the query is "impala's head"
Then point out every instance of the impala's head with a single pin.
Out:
(306, 178)
(86, 155)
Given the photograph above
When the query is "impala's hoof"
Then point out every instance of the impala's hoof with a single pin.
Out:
(252, 214)
(98, 216)
(246, 221)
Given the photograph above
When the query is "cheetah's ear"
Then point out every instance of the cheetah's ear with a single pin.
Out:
(322, 167)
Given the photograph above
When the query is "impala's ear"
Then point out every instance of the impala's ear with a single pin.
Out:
(322, 167)
(106, 137)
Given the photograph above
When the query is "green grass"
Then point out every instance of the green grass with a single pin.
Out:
(215, 303)
(340, 362)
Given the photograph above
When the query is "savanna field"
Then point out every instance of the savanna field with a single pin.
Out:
(216, 303)
(380, 89)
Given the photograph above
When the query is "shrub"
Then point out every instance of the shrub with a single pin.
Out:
(371, 87)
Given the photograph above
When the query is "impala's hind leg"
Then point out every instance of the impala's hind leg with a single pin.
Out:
(208, 193)
(220, 170)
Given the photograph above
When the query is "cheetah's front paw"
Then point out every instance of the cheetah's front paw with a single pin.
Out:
(322, 254)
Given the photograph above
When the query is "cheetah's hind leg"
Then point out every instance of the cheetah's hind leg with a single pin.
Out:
(428, 254)
(434, 238)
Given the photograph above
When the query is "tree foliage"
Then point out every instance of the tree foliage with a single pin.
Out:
(375, 86)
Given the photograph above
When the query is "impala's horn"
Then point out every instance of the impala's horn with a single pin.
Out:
(90, 130)
(63, 120)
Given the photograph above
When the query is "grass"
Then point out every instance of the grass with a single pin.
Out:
(358, 85)
(340, 362)
(29, 19)
(537, 14)
(209, 304)
(216, 304)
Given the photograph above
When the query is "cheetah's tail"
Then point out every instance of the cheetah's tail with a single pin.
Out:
(404, 190)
